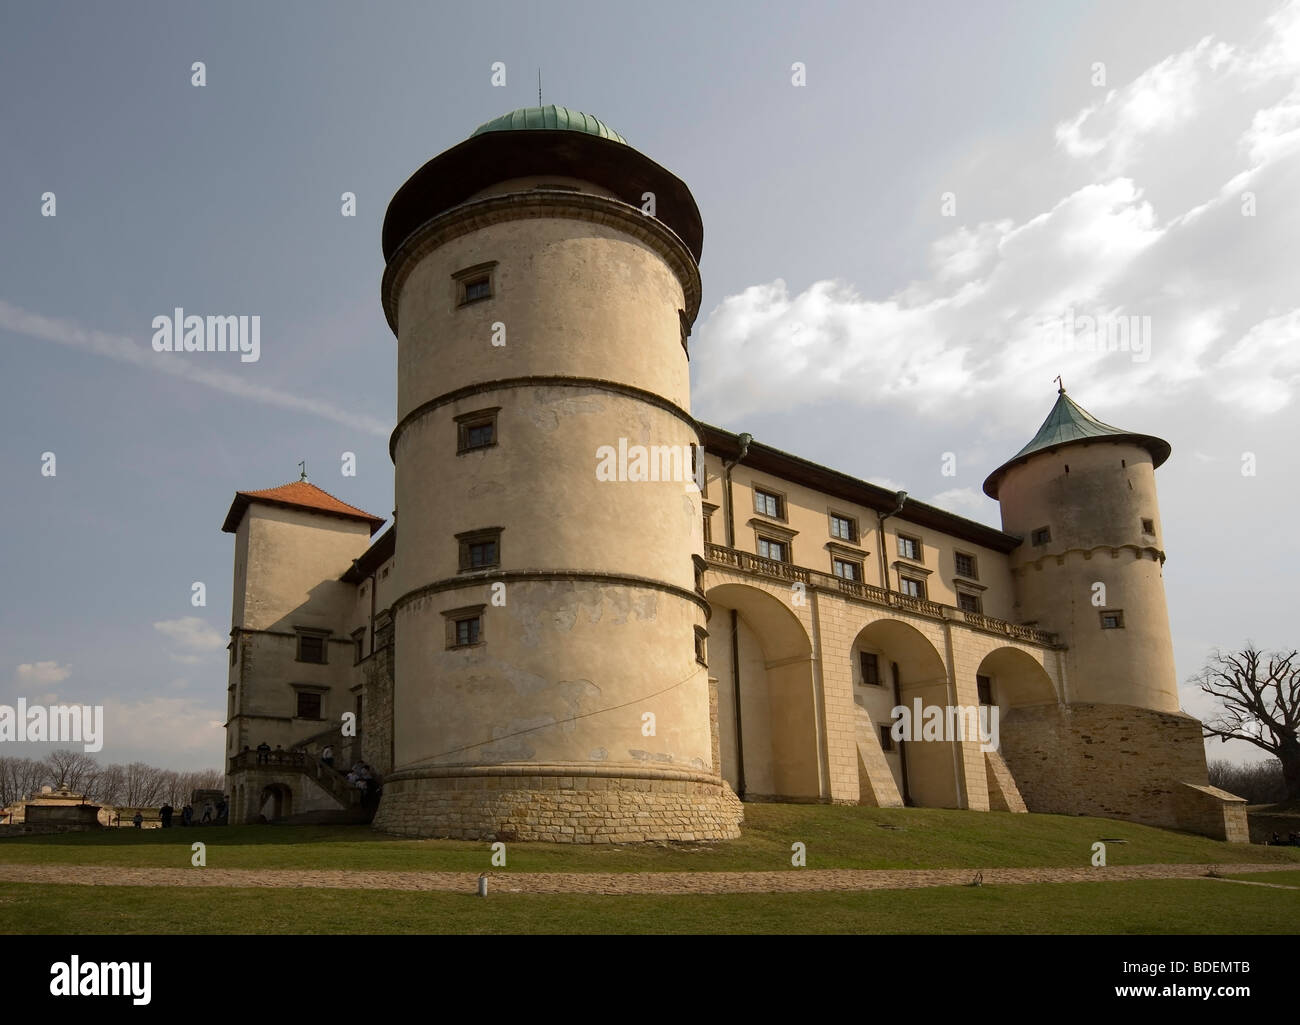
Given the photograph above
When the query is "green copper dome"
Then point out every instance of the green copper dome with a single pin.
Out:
(558, 118)
(1069, 422)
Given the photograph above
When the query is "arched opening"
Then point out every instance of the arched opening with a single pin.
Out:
(895, 665)
(761, 657)
(1009, 678)
(276, 802)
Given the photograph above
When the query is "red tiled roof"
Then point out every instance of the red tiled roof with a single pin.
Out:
(297, 495)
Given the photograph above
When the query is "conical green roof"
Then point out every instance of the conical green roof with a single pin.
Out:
(1068, 422)
(558, 118)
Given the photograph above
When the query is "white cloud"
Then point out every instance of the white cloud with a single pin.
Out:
(191, 632)
(38, 673)
(975, 338)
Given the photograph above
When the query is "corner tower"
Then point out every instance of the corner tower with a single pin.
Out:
(1082, 494)
(542, 277)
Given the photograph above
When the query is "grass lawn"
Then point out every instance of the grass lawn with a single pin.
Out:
(1285, 878)
(836, 837)
(1126, 908)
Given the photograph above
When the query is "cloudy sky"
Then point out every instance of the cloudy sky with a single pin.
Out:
(900, 255)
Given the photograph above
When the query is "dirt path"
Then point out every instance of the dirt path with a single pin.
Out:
(789, 881)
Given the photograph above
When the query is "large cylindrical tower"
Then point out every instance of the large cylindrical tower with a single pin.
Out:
(549, 683)
(1082, 494)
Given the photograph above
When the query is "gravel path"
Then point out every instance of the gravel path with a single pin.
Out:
(788, 881)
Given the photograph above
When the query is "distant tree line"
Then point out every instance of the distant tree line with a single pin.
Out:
(1258, 782)
(137, 785)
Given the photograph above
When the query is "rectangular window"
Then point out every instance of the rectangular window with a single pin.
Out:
(1149, 527)
(311, 647)
(476, 430)
(844, 528)
(777, 551)
(480, 549)
(909, 547)
(467, 631)
(847, 570)
(769, 504)
(708, 529)
(969, 602)
(234, 652)
(700, 652)
(912, 587)
(966, 566)
(358, 645)
(870, 663)
(886, 738)
(984, 685)
(1112, 620)
(1041, 536)
(308, 705)
(474, 284)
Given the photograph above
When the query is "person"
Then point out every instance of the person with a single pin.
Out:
(279, 753)
(165, 813)
(222, 808)
(207, 814)
(138, 821)
(263, 753)
(327, 756)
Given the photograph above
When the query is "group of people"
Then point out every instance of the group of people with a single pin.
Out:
(211, 813)
(363, 778)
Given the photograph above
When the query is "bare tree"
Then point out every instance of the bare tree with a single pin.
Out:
(1260, 694)
(110, 785)
(70, 769)
(142, 785)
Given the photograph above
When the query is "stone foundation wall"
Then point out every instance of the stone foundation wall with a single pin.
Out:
(558, 809)
(1115, 761)
(377, 708)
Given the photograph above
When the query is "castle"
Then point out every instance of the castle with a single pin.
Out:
(547, 652)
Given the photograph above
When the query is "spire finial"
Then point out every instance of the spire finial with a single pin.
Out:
(303, 466)
(1057, 379)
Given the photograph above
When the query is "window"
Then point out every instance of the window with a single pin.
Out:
(870, 663)
(1041, 536)
(708, 529)
(700, 656)
(311, 647)
(966, 566)
(358, 710)
(1149, 527)
(686, 331)
(777, 551)
(476, 430)
(984, 685)
(473, 284)
(910, 586)
(480, 549)
(358, 645)
(886, 738)
(769, 504)
(969, 602)
(234, 652)
(909, 547)
(467, 631)
(847, 570)
(844, 528)
(464, 626)
(308, 705)
(1113, 620)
